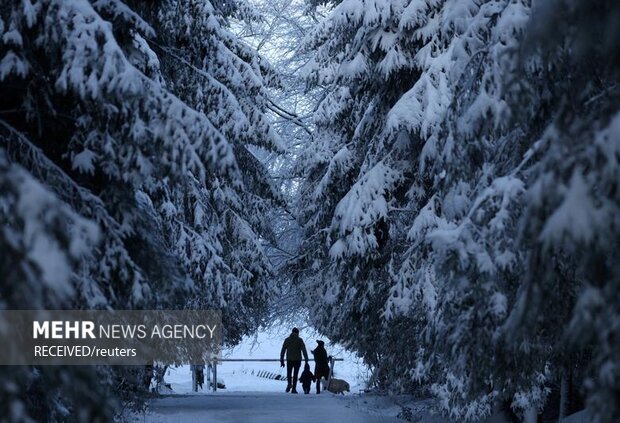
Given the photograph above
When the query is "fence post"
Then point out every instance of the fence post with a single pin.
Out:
(331, 371)
(194, 379)
(214, 376)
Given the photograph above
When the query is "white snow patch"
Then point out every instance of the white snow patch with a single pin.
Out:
(84, 161)
(576, 217)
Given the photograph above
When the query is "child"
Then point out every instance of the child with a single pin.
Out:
(306, 379)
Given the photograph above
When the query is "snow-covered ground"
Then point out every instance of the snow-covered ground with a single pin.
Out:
(260, 407)
(275, 407)
(250, 398)
(243, 377)
(253, 399)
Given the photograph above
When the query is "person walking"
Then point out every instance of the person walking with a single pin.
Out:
(294, 347)
(321, 367)
(306, 379)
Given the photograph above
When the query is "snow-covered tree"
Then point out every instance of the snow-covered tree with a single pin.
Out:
(459, 153)
(572, 209)
(133, 122)
(277, 36)
(358, 172)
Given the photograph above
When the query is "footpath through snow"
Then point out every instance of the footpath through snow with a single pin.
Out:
(250, 398)
(275, 407)
(253, 399)
(260, 407)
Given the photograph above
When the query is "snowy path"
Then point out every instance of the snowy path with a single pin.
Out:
(259, 407)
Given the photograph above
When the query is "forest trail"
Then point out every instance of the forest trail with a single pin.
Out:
(259, 407)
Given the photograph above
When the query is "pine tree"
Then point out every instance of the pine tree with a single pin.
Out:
(359, 170)
(471, 159)
(138, 141)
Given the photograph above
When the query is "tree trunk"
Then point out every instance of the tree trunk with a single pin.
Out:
(564, 394)
(530, 415)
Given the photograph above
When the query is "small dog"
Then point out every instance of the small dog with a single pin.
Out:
(337, 386)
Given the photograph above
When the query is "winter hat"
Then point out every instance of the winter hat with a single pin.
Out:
(321, 343)
(295, 330)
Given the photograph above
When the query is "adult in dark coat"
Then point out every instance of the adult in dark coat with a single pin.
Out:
(294, 348)
(321, 368)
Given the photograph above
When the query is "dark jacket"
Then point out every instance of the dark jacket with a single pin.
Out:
(294, 347)
(306, 377)
(321, 369)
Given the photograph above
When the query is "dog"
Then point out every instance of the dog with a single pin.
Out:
(337, 386)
